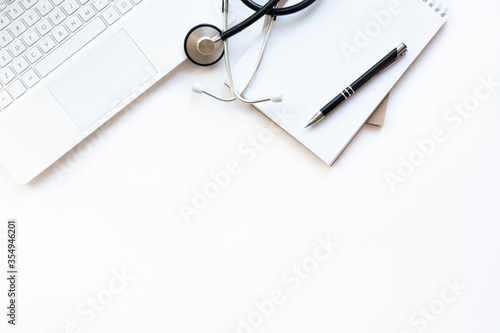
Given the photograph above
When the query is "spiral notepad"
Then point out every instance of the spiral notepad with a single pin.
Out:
(313, 55)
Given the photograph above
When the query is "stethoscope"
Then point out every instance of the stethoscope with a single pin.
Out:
(205, 44)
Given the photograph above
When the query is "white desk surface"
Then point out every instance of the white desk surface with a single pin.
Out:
(424, 257)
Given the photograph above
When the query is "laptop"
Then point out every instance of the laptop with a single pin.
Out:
(68, 66)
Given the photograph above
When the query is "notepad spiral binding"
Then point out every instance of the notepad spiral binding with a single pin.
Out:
(438, 8)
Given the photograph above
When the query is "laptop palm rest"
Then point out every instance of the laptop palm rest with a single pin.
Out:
(102, 80)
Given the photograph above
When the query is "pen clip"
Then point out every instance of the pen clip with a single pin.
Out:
(402, 53)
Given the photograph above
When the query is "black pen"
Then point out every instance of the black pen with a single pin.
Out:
(350, 90)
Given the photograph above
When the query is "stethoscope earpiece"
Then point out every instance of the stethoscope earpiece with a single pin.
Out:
(200, 46)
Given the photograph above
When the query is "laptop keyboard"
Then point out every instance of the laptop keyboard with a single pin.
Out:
(36, 36)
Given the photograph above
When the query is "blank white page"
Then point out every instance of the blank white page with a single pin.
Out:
(315, 54)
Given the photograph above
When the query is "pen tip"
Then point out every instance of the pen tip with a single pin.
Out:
(315, 119)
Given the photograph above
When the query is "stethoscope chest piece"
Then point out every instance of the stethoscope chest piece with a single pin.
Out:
(200, 47)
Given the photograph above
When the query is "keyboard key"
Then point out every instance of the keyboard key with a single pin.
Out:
(14, 11)
(2, 5)
(27, 4)
(70, 47)
(17, 28)
(5, 99)
(31, 17)
(57, 16)
(30, 37)
(110, 15)
(100, 4)
(70, 6)
(44, 7)
(5, 58)
(7, 75)
(5, 38)
(87, 12)
(17, 47)
(60, 33)
(17, 88)
(20, 65)
(44, 27)
(123, 6)
(33, 54)
(4, 20)
(73, 23)
(30, 78)
(47, 44)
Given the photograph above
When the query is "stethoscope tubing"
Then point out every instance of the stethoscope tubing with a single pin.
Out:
(236, 94)
(280, 11)
(205, 33)
(259, 13)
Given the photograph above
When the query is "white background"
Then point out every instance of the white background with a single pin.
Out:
(113, 205)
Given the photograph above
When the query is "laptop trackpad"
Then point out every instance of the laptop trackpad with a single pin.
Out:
(102, 80)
